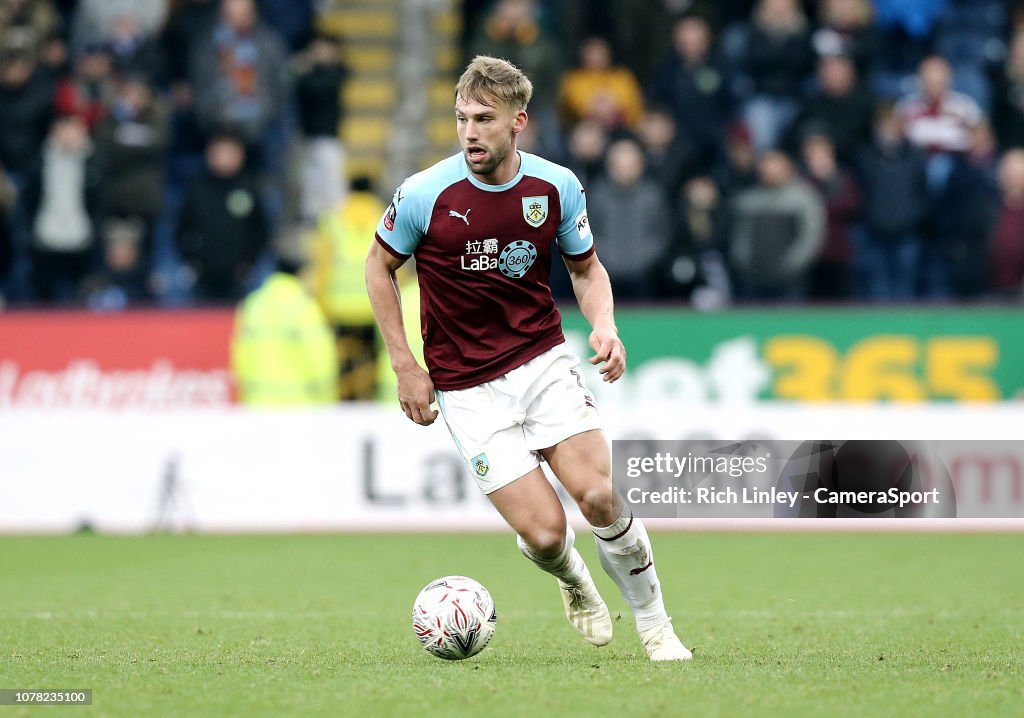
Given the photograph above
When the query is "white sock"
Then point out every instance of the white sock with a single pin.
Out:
(626, 555)
(567, 567)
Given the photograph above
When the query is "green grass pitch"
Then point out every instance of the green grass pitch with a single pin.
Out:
(781, 625)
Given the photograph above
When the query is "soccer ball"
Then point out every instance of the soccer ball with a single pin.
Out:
(454, 618)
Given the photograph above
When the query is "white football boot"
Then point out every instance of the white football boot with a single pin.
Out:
(663, 644)
(586, 611)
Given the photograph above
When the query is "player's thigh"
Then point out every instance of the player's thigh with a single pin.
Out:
(487, 433)
(582, 464)
(531, 507)
(558, 403)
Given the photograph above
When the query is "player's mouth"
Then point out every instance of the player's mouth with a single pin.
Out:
(475, 154)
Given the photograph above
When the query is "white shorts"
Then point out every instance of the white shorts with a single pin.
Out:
(500, 426)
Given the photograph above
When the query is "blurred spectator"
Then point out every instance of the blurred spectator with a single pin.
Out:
(26, 110)
(966, 213)
(60, 197)
(695, 87)
(130, 146)
(894, 180)
(778, 230)
(339, 254)
(639, 30)
(1008, 95)
(832, 275)
(972, 35)
(187, 36)
(737, 170)
(512, 30)
(599, 90)
(941, 122)
(318, 90)
(54, 58)
(541, 142)
(728, 12)
(132, 49)
(777, 59)
(630, 215)
(222, 227)
(846, 27)
(128, 30)
(1006, 242)
(916, 17)
(240, 81)
(839, 107)
(669, 156)
(588, 142)
(27, 24)
(26, 97)
(906, 29)
(694, 267)
(122, 277)
(116, 22)
(936, 118)
(188, 29)
(88, 92)
(585, 154)
(291, 19)
(282, 352)
(8, 198)
(66, 9)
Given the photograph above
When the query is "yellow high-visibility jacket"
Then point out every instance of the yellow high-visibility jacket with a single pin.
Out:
(283, 352)
(339, 258)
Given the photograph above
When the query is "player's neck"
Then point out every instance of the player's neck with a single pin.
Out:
(505, 172)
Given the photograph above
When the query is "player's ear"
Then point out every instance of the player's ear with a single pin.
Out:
(520, 122)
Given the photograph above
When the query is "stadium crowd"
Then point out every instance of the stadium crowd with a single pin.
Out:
(736, 150)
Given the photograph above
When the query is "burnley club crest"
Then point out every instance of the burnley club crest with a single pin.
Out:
(535, 210)
(480, 465)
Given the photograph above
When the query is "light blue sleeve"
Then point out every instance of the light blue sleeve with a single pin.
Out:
(405, 221)
(574, 236)
(407, 218)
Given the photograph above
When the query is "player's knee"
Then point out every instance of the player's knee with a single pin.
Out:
(545, 541)
(597, 505)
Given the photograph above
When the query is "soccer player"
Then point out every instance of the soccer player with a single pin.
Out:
(483, 225)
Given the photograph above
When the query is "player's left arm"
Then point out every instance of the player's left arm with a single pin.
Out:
(593, 291)
(590, 280)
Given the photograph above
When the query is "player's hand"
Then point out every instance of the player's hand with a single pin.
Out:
(608, 350)
(416, 394)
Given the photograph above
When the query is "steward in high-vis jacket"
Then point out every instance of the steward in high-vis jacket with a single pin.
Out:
(339, 257)
(283, 352)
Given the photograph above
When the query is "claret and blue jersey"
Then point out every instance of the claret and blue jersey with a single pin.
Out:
(483, 258)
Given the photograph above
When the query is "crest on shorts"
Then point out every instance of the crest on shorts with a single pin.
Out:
(535, 210)
(480, 465)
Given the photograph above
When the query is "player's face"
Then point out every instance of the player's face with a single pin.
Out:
(487, 134)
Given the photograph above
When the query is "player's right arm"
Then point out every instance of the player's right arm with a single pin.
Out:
(415, 389)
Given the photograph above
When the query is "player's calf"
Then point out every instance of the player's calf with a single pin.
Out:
(584, 607)
(626, 555)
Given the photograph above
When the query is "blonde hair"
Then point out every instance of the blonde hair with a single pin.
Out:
(490, 77)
